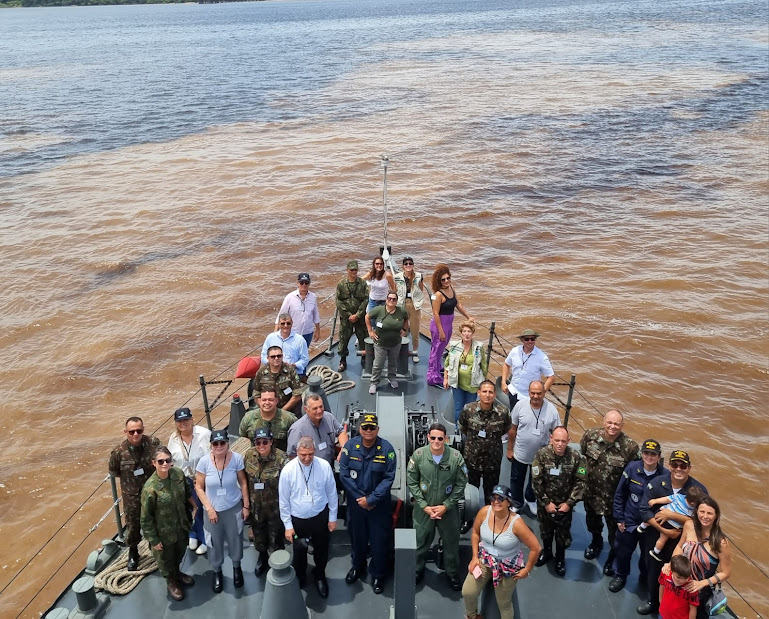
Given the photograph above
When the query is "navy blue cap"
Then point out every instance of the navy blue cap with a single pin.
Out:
(504, 492)
(220, 435)
(262, 433)
(181, 414)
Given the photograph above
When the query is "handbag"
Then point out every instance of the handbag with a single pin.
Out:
(717, 603)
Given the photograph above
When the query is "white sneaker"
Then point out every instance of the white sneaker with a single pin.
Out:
(393, 383)
(532, 505)
(202, 549)
(415, 358)
(193, 543)
(372, 388)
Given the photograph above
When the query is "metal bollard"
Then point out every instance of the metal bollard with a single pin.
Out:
(282, 596)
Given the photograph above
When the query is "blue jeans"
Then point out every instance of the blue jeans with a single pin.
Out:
(518, 472)
(308, 338)
(197, 525)
(461, 397)
(372, 304)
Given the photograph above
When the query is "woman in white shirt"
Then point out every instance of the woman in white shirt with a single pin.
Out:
(380, 282)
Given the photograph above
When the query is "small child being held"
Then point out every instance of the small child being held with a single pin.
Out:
(677, 504)
(675, 601)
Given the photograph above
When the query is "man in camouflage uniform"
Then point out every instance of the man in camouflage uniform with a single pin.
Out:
(558, 475)
(351, 302)
(607, 452)
(437, 489)
(165, 520)
(484, 423)
(281, 378)
(264, 462)
(267, 415)
(131, 462)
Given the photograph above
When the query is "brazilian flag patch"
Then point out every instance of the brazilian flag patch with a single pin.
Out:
(391, 455)
(581, 470)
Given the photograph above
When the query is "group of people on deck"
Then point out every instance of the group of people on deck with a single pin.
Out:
(196, 493)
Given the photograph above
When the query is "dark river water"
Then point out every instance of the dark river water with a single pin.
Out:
(597, 171)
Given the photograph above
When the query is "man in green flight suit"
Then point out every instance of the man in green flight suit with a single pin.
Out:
(351, 302)
(436, 478)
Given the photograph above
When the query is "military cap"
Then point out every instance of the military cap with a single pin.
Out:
(220, 435)
(303, 277)
(369, 419)
(262, 433)
(528, 333)
(181, 414)
(681, 456)
(651, 445)
(352, 264)
(504, 492)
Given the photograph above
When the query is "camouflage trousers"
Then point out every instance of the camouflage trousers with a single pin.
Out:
(558, 527)
(132, 508)
(345, 332)
(594, 524)
(170, 557)
(268, 533)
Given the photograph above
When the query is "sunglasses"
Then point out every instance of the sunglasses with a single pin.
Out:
(132, 432)
(392, 298)
(276, 356)
(284, 324)
(304, 283)
(497, 499)
(164, 460)
(379, 264)
(436, 438)
(353, 270)
(529, 339)
(219, 443)
(406, 264)
(445, 279)
(262, 441)
(368, 428)
(679, 465)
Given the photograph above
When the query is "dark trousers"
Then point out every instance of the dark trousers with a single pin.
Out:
(625, 543)
(594, 523)
(518, 471)
(315, 528)
(490, 479)
(550, 527)
(653, 568)
(512, 395)
(370, 529)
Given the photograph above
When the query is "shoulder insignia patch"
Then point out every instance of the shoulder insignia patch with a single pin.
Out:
(357, 447)
(391, 455)
(344, 451)
(449, 488)
(464, 469)
(581, 471)
(411, 464)
(535, 470)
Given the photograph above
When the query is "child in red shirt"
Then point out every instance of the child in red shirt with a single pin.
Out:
(675, 601)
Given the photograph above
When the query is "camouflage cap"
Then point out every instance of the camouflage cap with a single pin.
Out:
(182, 414)
(262, 433)
(504, 492)
(681, 456)
(369, 419)
(352, 264)
(651, 445)
(220, 435)
(528, 333)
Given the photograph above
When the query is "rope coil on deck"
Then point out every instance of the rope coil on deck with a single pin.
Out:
(117, 580)
(331, 381)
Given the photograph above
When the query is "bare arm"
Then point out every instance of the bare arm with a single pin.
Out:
(243, 483)
(475, 538)
(512, 433)
(200, 488)
(523, 533)
(506, 371)
(548, 383)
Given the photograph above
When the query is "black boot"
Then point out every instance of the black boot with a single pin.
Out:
(262, 564)
(608, 569)
(237, 576)
(560, 560)
(595, 547)
(133, 558)
(546, 554)
(466, 526)
(218, 583)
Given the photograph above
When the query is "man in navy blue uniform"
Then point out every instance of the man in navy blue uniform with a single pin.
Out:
(677, 480)
(627, 510)
(367, 472)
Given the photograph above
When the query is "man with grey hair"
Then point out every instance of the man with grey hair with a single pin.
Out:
(321, 426)
(292, 344)
(308, 508)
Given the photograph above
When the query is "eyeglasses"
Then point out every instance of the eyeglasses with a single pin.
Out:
(368, 428)
(164, 460)
(679, 465)
(276, 356)
(132, 432)
(407, 264)
(445, 279)
(218, 443)
(497, 499)
(528, 339)
(284, 324)
(436, 438)
(262, 441)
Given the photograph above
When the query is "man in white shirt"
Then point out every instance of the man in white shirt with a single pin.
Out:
(534, 418)
(302, 306)
(524, 364)
(293, 345)
(308, 508)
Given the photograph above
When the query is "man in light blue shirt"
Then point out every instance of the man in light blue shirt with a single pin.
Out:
(308, 508)
(293, 345)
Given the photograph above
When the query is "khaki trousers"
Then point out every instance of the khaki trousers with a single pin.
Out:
(472, 588)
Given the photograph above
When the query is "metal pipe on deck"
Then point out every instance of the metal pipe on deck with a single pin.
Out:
(572, 382)
(206, 407)
(116, 503)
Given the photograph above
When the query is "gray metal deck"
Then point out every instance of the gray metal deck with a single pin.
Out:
(582, 594)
